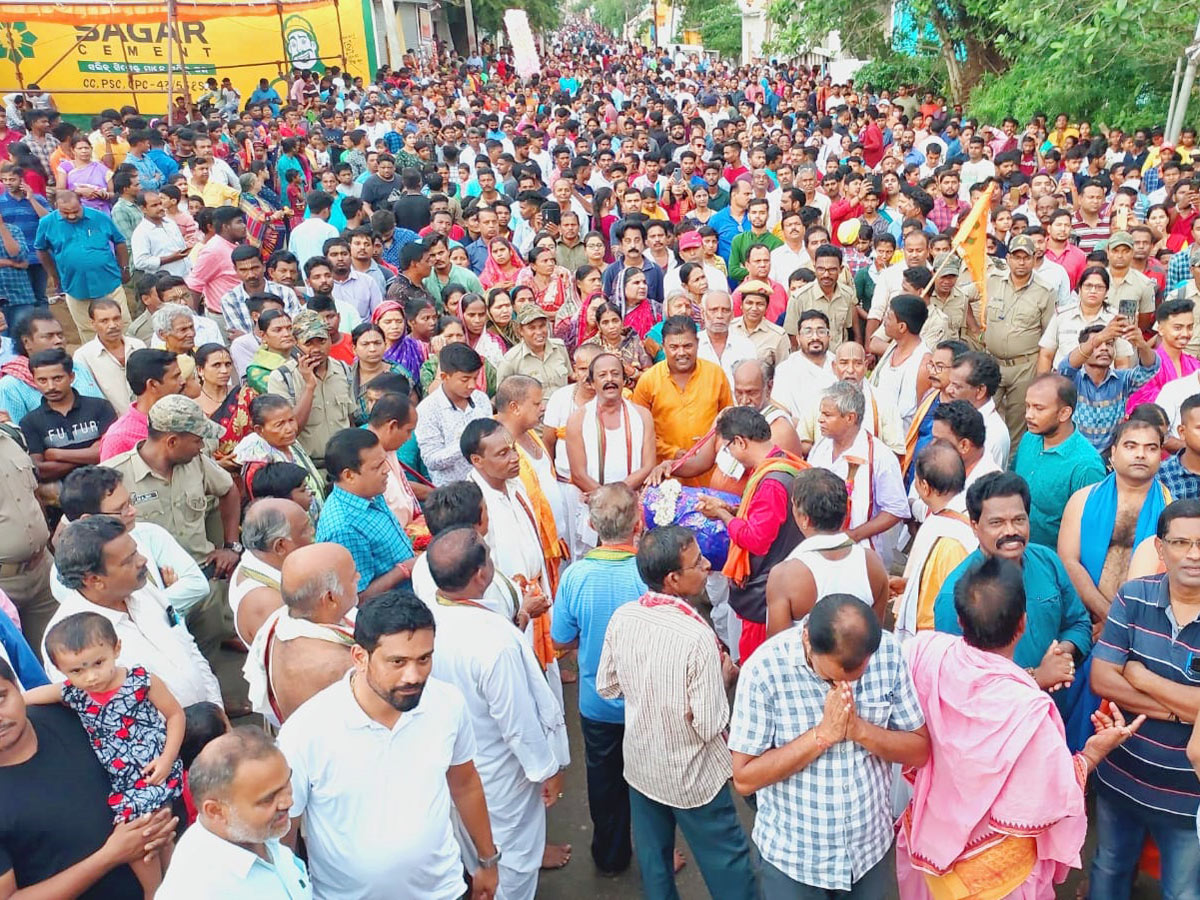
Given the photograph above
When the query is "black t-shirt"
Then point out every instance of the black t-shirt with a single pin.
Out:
(380, 194)
(54, 808)
(83, 425)
(412, 212)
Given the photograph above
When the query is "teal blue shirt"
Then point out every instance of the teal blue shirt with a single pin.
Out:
(1053, 610)
(83, 252)
(1053, 475)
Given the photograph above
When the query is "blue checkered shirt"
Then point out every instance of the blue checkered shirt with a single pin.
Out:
(1179, 268)
(1102, 407)
(15, 287)
(368, 529)
(1182, 482)
(827, 825)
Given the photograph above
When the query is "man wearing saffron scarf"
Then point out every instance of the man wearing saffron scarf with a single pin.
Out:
(974, 828)
(762, 531)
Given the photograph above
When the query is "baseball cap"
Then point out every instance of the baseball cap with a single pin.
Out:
(1023, 243)
(177, 414)
(690, 240)
(1120, 239)
(947, 264)
(307, 325)
(531, 312)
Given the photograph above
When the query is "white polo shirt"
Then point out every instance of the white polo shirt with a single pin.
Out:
(205, 865)
(375, 801)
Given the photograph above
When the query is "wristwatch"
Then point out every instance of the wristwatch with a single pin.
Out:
(490, 862)
(234, 546)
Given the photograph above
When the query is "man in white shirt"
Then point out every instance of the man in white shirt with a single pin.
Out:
(870, 470)
(801, 377)
(387, 738)
(520, 732)
(241, 786)
(717, 343)
(101, 491)
(105, 354)
(976, 169)
(1053, 272)
(976, 378)
(1171, 398)
(99, 564)
(157, 243)
(309, 237)
(792, 253)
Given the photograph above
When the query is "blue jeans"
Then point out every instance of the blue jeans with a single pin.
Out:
(1121, 828)
(875, 883)
(715, 836)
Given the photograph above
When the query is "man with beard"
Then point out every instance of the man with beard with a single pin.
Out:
(1054, 457)
(384, 739)
(800, 377)
(242, 790)
(1057, 623)
(517, 720)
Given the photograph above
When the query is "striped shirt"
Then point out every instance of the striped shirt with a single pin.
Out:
(664, 663)
(1090, 235)
(1152, 767)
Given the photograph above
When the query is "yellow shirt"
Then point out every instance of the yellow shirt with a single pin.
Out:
(682, 417)
(943, 559)
(215, 194)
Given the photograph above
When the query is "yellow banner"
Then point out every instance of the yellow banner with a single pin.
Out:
(119, 64)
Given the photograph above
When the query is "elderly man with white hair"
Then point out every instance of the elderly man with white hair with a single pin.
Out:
(272, 529)
(871, 471)
(179, 329)
(717, 343)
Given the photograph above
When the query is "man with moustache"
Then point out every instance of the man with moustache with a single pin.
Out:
(1058, 626)
(242, 790)
(625, 451)
(801, 377)
(384, 739)
(881, 419)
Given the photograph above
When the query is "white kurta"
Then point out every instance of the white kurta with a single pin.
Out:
(799, 383)
(515, 718)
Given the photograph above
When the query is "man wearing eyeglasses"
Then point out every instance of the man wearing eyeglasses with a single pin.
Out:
(1146, 662)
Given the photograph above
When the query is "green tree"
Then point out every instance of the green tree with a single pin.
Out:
(719, 23)
(615, 14)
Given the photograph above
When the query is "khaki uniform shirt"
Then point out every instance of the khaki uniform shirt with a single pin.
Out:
(142, 328)
(1016, 317)
(954, 308)
(840, 310)
(23, 530)
(178, 504)
(770, 340)
(332, 405)
(936, 328)
(1133, 286)
(553, 369)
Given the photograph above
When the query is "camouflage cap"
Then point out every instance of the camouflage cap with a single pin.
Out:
(1022, 243)
(307, 325)
(177, 414)
(947, 264)
(531, 312)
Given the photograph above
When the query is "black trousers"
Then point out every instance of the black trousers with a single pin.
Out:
(608, 794)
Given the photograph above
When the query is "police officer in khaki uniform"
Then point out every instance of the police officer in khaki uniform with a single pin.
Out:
(320, 387)
(946, 295)
(1126, 283)
(538, 355)
(174, 483)
(829, 294)
(24, 560)
(1020, 304)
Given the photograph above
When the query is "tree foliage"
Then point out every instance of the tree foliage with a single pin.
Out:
(719, 23)
(1109, 60)
(613, 14)
(543, 15)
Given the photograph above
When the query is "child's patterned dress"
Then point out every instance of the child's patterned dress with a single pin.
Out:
(127, 732)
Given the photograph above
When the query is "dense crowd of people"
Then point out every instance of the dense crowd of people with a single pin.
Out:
(428, 392)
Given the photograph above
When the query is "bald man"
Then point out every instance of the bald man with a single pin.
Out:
(752, 383)
(272, 529)
(519, 727)
(304, 646)
(880, 419)
(241, 785)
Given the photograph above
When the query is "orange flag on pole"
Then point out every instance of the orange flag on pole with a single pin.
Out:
(970, 242)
